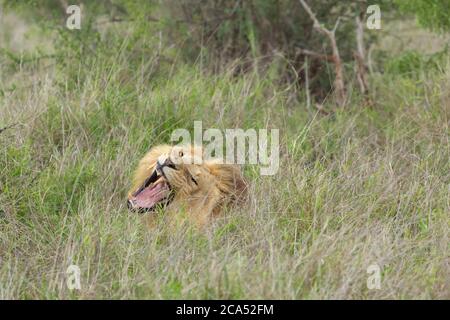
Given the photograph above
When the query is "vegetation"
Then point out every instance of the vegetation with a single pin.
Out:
(432, 14)
(363, 184)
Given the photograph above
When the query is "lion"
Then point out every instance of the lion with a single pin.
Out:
(179, 179)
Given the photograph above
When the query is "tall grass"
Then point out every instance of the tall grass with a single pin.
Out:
(361, 186)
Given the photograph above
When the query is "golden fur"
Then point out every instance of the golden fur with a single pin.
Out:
(200, 190)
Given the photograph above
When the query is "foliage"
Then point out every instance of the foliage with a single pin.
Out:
(412, 63)
(248, 34)
(433, 14)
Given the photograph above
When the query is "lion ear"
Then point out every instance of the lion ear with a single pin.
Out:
(230, 179)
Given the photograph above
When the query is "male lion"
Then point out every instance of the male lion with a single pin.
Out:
(178, 178)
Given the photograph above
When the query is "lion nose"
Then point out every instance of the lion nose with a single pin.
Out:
(167, 163)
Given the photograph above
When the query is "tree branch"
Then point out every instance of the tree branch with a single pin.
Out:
(315, 54)
(360, 55)
(339, 83)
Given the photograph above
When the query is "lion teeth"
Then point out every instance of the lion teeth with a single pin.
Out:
(160, 180)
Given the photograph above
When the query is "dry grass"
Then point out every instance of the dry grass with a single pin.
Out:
(362, 186)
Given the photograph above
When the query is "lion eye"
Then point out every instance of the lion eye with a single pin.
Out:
(195, 181)
(181, 153)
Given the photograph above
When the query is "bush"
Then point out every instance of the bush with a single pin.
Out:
(412, 63)
(259, 30)
(432, 14)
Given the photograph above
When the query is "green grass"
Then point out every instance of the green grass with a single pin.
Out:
(361, 186)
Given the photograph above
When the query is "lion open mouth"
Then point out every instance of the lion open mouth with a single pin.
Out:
(154, 191)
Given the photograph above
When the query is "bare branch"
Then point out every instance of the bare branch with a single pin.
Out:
(339, 83)
(360, 55)
(313, 17)
(315, 54)
(308, 94)
(336, 25)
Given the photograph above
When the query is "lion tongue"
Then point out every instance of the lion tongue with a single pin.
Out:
(151, 195)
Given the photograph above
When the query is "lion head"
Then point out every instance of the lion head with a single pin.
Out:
(180, 178)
